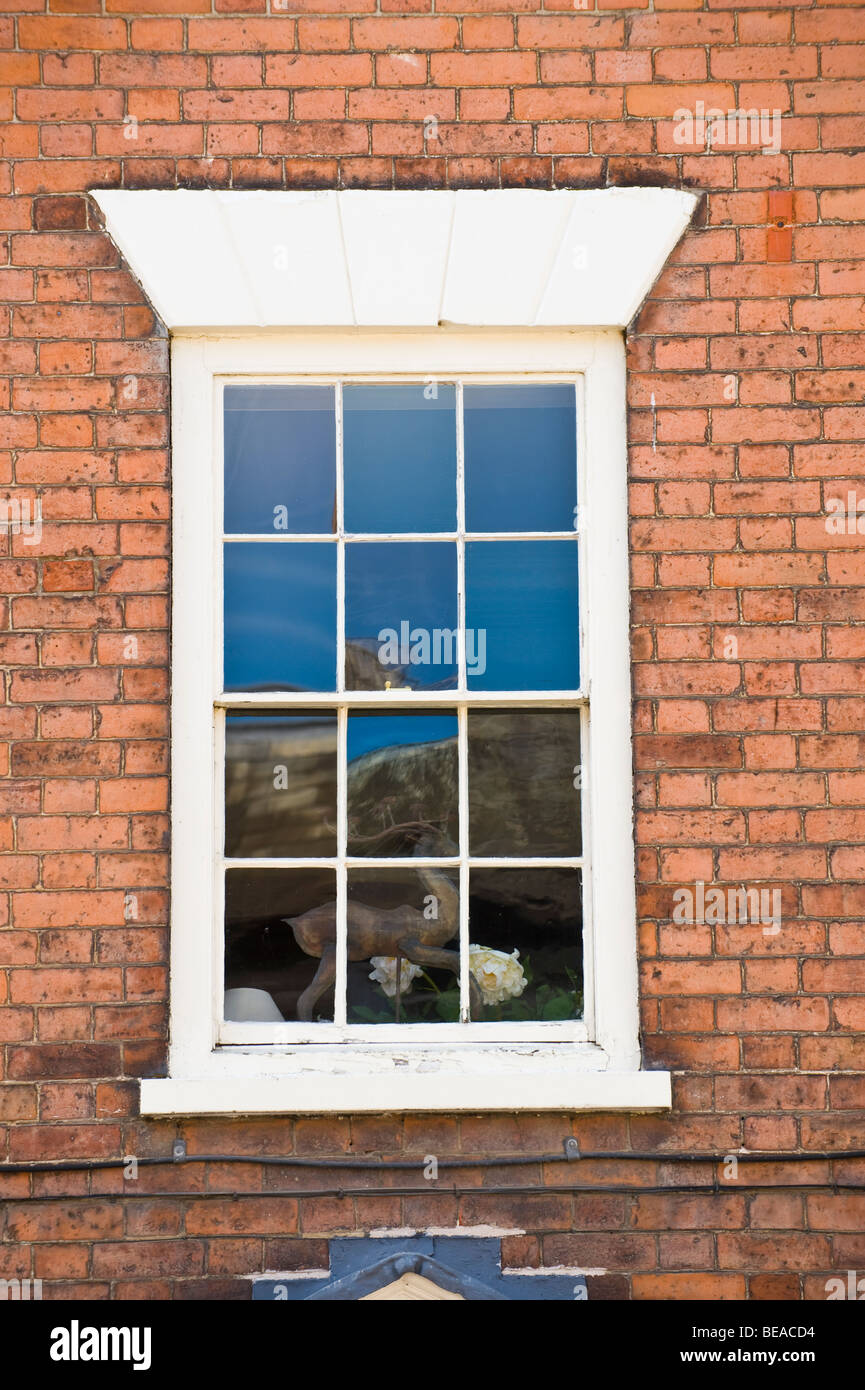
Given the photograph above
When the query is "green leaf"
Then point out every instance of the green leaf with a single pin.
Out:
(517, 1011)
(364, 1014)
(448, 1005)
(560, 1007)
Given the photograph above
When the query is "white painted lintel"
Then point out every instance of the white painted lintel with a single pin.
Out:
(528, 258)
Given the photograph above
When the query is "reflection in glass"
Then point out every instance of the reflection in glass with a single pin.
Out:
(525, 929)
(280, 616)
(521, 605)
(280, 785)
(280, 459)
(400, 457)
(403, 929)
(522, 768)
(401, 615)
(293, 961)
(520, 457)
(402, 784)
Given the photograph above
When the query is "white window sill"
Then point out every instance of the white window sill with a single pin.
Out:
(540, 1077)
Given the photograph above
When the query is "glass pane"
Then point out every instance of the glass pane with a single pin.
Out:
(523, 780)
(525, 930)
(402, 784)
(520, 457)
(401, 615)
(280, 616)
(403, 947)
(280, 934)
(280, 459)
(400, 458)
(522, 615)
(280, 785)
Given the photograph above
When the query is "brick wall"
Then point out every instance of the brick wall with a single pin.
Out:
(746, 417)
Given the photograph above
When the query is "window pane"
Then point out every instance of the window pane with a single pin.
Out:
(525, 930)
(282, 958)
(280, 616)
(280, 459)
(400, 457)
(520, 458)
(522, 615)
(280, 785)
(415, 914)
(522, 770)
(402, 784)
(401, 615)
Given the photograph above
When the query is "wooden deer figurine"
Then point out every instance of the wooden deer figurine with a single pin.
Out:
(397, 931)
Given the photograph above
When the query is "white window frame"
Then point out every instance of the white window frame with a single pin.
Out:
(591, 1063)
(511, 283)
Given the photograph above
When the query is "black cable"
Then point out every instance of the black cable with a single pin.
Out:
(496, 1161)
(431, 1188)
(742, 1156)
(269, 1161)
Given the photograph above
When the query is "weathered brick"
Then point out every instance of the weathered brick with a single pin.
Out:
(747, 610)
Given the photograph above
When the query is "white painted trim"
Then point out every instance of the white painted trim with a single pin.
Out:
(194, 637)
(608, 757)
(363, 258)
(380, 699)
(436, 1074)
(534, 1087)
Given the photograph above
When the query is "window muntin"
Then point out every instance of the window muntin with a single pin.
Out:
(401, 755)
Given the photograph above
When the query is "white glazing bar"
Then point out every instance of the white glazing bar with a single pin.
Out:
(463, 766)
(218, 981)
(396, 699)
(340, 544)
(582, 523)
(280, 538)
(526, 862)
(273, 862)
(217, 522)
(584, 802)
(586, 770)
(341, 983)
(374, 537)
(407, 861)
(462, 718)
(578, 423)
(519, 535)
(461, 544)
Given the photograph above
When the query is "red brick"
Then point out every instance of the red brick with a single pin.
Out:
(114, 1259)
(747, 763)
(405, 33)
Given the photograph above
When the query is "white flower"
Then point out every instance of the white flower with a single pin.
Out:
(385, 974)
(499, 975)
